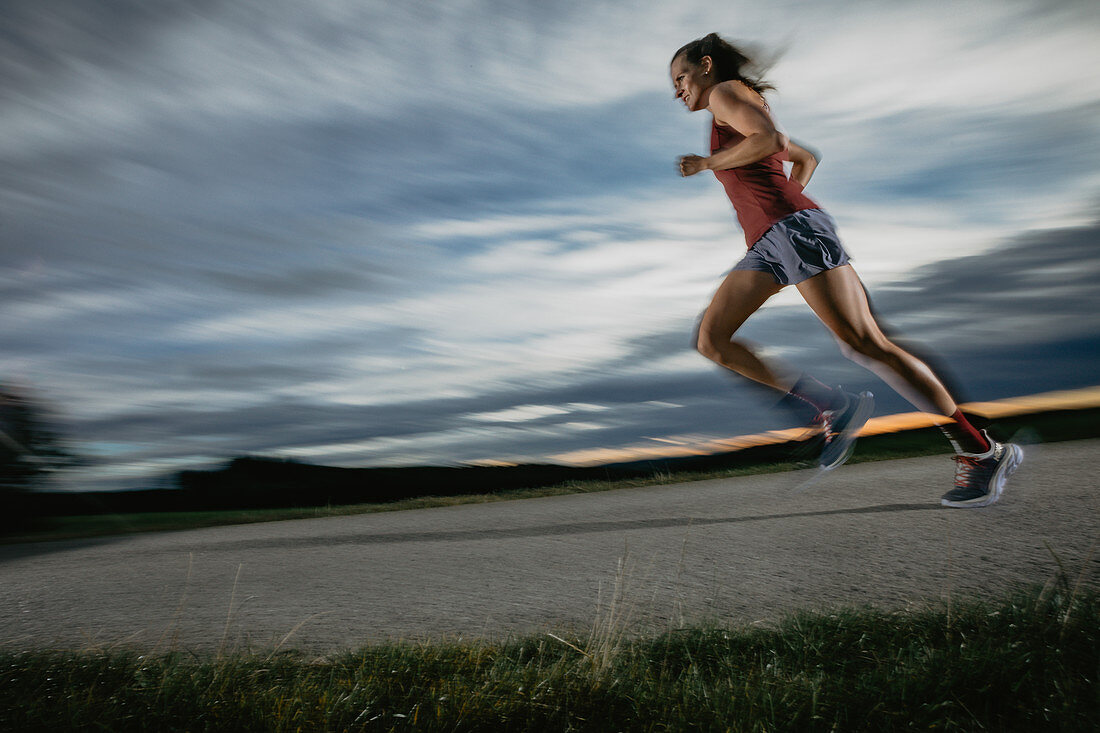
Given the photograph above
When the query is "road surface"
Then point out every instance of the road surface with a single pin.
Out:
(738, 550)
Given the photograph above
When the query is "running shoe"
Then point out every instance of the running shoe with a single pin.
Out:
(980, 479)
(842, 426)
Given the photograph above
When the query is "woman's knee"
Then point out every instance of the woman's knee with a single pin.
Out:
(708, 342)
(704, 344)
(863, 345)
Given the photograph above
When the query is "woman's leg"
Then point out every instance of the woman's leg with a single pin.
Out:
(983, 465)
(838, 299)
(739, 296)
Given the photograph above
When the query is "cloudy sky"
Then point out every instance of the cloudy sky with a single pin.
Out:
(373, 233)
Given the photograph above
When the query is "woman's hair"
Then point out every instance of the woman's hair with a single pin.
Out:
(729, 61)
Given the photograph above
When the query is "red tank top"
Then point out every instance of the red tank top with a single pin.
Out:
(760, 192)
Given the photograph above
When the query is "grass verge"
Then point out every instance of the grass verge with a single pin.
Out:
(102, 525)
(1028, 663)
(1064, 425)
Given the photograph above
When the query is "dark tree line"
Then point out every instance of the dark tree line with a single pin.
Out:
(30, 451)
(259, 483)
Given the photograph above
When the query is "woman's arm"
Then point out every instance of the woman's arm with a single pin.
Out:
(803, 162)
(751, 120)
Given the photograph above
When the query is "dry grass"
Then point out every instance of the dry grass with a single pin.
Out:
(1026, 663)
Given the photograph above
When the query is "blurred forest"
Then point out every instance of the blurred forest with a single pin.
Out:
(253, 482)
(260, 483)
(31, 450)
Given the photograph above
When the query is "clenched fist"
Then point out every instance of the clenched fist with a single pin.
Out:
(692, 164)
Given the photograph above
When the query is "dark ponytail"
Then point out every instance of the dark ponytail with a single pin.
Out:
(729, 61)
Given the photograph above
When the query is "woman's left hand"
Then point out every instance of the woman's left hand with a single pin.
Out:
(692, 164)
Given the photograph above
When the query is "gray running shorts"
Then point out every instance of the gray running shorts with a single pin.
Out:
(796, 248)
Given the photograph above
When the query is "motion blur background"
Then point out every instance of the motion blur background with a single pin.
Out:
(370, 233)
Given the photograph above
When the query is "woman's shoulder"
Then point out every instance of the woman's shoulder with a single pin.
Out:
(740, 90)
(733, 97)
(733, 93)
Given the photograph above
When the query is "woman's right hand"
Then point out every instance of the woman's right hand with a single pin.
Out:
(692, 164)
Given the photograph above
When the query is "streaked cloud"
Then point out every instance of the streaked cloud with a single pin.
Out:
(366, 233)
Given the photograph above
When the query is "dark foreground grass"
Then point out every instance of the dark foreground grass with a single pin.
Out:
(1029, 663)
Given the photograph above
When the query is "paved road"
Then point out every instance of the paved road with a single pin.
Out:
(736, 550)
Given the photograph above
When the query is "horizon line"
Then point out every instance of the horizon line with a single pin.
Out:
(683, 446)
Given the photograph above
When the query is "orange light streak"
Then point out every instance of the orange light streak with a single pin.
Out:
(679, 447)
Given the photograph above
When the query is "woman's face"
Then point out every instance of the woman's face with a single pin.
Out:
(691, 81)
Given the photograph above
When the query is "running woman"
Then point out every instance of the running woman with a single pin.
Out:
(792, 241)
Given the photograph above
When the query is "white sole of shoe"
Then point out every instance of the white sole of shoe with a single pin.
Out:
(1008, 466)
(847, 437)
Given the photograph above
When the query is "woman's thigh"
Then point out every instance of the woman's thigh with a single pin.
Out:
(739, 296)
(837, 297)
